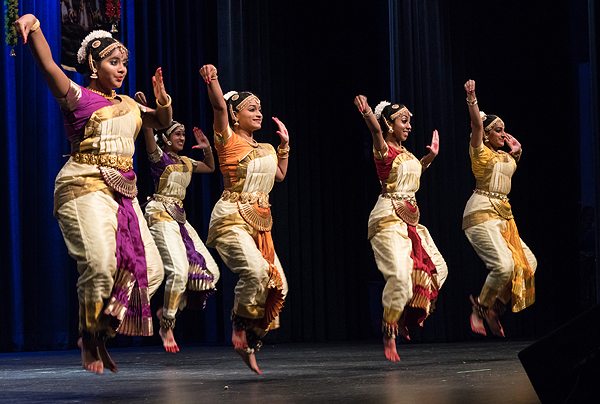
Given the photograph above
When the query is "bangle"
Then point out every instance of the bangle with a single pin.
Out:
(35, 26)
(208, 151)
(214, 76)
(283, 153)
(471, 103)
(366, 114)
(167, 105)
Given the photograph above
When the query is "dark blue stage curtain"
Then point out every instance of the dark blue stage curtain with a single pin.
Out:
(307, 60)
(36, 274)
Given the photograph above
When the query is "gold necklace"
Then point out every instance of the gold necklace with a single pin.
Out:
(254, 143)
(110, 96)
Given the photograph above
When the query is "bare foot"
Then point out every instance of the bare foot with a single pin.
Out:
(249, 360)
(389, 346)
(167, 336)
(477, 325)
(238, 338)
(168, 340)
(105, 357)
(90, 359)
(494, 322)
(402, 330)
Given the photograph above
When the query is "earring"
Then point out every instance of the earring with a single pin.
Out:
(92, 68)
(390, 128)
(166, 140)
(236, 122)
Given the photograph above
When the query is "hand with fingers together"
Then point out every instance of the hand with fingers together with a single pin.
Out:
(282, 132)
(201, 139)
(513, 143)
(435, 143)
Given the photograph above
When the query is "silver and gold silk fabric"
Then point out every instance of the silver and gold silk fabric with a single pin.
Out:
(166, 231)
(490, 227)
(389, 238)
(87, 211)
(234, 238)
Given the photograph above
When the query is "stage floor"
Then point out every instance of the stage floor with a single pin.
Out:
(446, 373)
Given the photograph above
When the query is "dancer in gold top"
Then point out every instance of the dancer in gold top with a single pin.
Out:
(489, 224)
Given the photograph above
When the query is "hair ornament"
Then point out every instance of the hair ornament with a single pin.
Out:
(229, 95)
(482, 115)
(379, 109)
(97, 34)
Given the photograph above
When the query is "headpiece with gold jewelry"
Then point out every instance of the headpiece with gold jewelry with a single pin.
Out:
(238, 101)
(162, 135)
(388, 112)
(489, 121)
(96, 46)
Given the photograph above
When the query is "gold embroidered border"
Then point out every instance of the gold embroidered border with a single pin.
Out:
(247, 197)
(105, 160)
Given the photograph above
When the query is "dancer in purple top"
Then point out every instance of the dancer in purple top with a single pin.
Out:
(95, 191)
(190, 270)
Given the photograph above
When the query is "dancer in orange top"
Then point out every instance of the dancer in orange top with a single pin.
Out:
(240, 225)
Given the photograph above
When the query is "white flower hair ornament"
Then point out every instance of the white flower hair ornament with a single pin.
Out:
(482, 115)
(379, 109)
(229, 95)
(81, 53)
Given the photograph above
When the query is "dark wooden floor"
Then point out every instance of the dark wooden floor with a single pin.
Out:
(450, 373)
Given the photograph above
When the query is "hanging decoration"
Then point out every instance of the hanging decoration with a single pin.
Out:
(11, 14)
(79, 18)
(113, 12)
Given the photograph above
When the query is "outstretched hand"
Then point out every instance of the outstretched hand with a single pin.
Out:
(141, 98)
(23, 26)
(513, 143)
(282, 132)
(201, 139)
(159, 86)
(208, 73)
(361, 103)
(435, 143)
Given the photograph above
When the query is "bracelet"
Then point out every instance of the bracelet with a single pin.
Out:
(167, 105)
(366, 114)
(208, 151)
(283, 153)
(471, 103)
(214, 76)
(35, 26)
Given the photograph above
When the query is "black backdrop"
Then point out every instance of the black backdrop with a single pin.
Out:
(307, 60)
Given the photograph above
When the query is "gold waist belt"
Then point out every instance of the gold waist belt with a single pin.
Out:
(247, 197)
(494, 195)
(168, 199)
(401, 197)
(105, 160)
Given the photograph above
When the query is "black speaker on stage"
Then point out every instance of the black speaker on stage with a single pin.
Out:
(564, 366)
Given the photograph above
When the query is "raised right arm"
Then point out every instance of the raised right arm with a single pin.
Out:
(215, 95)
(378, 141)
(476, 122)
(28, 29)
